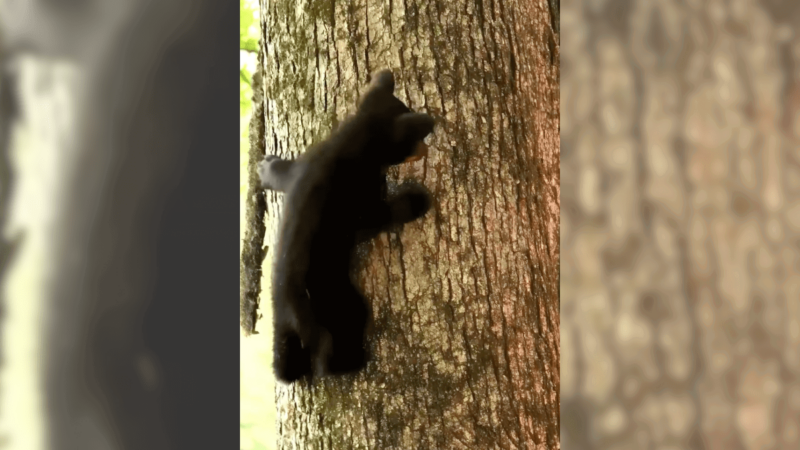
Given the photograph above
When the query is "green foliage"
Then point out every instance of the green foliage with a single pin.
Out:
(245, 91)
(248, 45)
(248, 25)
(258, 411)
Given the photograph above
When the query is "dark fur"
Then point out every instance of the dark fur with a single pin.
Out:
(335, 194)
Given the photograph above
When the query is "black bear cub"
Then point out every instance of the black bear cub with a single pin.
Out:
(335, 195)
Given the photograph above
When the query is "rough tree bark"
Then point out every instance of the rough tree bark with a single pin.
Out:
(466, 309)
(681, 223)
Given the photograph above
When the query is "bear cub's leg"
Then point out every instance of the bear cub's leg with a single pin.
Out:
(342, 322)
(290, 360)
(275, 173)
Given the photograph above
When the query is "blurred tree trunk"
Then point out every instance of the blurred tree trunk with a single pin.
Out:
(681, 224)
(466, 309)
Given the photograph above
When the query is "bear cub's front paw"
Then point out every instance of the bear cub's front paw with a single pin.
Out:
(411, 202)
(264, 170)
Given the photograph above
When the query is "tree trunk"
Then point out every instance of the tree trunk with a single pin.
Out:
(681, 225)
(465, 341)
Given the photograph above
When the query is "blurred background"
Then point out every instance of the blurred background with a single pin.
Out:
(36, 157)
(258, 413)
(118, 211)
(680, 224)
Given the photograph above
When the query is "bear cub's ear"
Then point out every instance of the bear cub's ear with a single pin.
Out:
(379, 99)
(383, 80)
